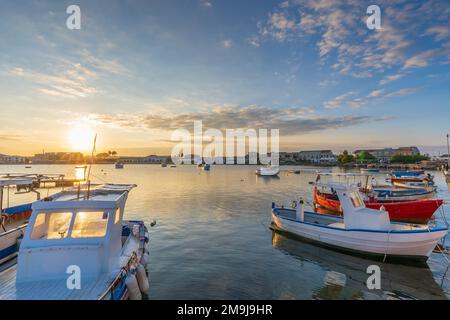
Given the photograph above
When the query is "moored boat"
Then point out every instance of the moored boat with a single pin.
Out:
(77, 246)
(270, 170)
(370, 170)
(13, 220)
(419, 211)
(388, 194)
(361, 230)
(119, 165)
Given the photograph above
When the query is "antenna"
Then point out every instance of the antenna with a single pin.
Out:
(90, 167)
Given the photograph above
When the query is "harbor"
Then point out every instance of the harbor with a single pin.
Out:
(214, 233)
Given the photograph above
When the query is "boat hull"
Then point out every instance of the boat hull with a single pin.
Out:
(409, 211)
(412, 246)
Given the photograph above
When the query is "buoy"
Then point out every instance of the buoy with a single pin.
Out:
(134, 293)
(141, 276)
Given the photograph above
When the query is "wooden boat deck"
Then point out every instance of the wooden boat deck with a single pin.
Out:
(91, 289)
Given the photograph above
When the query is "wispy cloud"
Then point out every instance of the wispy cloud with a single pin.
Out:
(439, 32)
(73, 82)
(338, 27)
(402, 92)
(375, 93)
(9, 137)
(339, 101)
(227, 43)
(290, 121)
(391, 78)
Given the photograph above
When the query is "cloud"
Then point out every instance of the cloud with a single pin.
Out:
(402, 92)
(391, 78)
(69, 80)
(290, 121)
(339, 101)
(375, 93)
(9, 137)
(343, 41)
(439, 32)
(207, 3)
(254, 41)
(227, 43)
(103, 64)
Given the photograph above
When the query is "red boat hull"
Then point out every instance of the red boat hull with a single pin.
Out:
(419, 211)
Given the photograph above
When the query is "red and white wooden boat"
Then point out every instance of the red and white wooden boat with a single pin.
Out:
(419, 211)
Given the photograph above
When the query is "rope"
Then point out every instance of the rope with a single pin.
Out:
(387, 249)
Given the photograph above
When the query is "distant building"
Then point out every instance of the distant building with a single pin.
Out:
(58, 157)
(5, 159)
(317, 156)
(385, 155)
(408, 151)
(287, 157)
(152, 159)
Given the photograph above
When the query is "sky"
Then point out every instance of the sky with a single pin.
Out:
(139, 69)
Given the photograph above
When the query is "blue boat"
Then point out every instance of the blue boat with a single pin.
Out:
(13, 220)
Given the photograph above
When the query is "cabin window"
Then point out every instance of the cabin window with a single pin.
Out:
(356, 199)
(117, 217)
(90, 225)
(51, 225)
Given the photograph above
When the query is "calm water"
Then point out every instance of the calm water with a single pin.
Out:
(212, 239)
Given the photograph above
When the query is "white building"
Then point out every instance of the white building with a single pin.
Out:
(317, 156)
(12, 159)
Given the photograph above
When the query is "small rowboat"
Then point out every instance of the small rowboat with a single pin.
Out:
(268, 171)
(361, 230)
(419, 211)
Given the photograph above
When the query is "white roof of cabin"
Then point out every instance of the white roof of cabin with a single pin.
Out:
(4, 182)
(100, 197)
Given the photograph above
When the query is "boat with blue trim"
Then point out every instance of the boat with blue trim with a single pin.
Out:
(361, 230)
(77, 246)
(14, 219)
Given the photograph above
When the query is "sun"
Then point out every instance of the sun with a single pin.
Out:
(81, 138)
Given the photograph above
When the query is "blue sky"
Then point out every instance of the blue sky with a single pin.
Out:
(139, 69)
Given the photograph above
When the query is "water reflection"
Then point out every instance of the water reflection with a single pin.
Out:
(345, 276)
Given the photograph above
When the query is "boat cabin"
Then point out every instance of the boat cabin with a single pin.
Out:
(74, 227)
(356, 214)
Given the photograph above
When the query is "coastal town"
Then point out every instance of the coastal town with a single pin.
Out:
(410, 157)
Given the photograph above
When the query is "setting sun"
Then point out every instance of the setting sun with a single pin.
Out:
(81, 138)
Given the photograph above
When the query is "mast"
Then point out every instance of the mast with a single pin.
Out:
(448, 152)
(90, 167)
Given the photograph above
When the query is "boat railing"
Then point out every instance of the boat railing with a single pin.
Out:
(109, 292)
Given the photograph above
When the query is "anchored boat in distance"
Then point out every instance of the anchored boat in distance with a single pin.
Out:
(270, 170)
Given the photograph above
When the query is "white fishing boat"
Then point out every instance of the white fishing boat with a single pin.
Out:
(77, 246)
(361, 230)
(270, 170)
(14, 219)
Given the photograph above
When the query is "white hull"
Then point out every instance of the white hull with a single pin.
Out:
(407, 244)
(268, 171)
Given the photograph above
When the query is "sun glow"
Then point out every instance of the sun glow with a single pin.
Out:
(81, 138)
